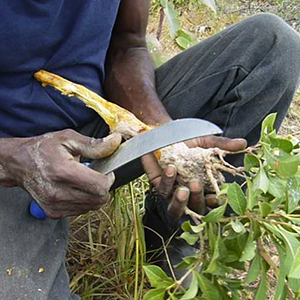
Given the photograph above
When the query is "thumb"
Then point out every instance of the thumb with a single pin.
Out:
(92, 148)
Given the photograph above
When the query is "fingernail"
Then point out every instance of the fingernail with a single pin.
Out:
(109, 137)
(211, 200)
(195, 185)
(170, 170)
(183, 193)
(111, 178)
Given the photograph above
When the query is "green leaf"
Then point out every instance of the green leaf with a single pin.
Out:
(183, 43)
(284, 164)
(236, 198)
(280, 291)
(156, 294)
(288, 166)
(265, 208)
(293, 220)
(216, 214)
(261, 181)
(155, 275)
(261, 293)
(210, 3)
(208, 288)
(249, 251)
(254, 270)
(191, 239)
(216, 254)
(295, 286)
(186, 226)
(251, 161)
(172, 19)
(277, 186)
(252, 196)
(187, 262)
(193, 289)
(237, 226)
(199, 228)
(280, 143)
(295, 270)
(293, 194)
(267, 126)
(185, 39)
(224, 189)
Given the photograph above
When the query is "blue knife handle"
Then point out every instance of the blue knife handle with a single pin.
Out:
(37, 212)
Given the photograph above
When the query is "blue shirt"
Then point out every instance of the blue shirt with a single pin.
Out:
(67, 37)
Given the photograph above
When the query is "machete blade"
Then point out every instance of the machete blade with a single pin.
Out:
(154, 139)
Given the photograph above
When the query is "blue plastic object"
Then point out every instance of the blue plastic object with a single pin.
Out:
(37, 212)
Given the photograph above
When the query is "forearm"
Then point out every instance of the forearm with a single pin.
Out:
(130, 83)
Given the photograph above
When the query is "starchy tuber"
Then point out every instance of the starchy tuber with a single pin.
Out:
(191, 163)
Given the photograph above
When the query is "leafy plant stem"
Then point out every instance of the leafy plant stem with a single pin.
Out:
(137, 248)
(267, 258)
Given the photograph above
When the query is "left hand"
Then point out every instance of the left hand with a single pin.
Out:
(192, 195)
(164, 180)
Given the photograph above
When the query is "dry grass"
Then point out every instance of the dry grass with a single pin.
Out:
(106, 248)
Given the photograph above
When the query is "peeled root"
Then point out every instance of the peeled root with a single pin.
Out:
(117, 118)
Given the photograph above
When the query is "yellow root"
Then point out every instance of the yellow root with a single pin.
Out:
(112, 114)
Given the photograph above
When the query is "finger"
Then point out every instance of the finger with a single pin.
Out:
(56, 215)
(223, 143)
(178, 203)
(79, 144)
(152, 169)
(166, 183)
(86, 199)
(197, 201)
(85, 179)
(211, 200)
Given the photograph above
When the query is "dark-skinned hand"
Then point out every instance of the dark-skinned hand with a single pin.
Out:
(48, 167)
(164, 181)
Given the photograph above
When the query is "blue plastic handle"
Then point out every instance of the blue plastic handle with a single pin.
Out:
(37, 212)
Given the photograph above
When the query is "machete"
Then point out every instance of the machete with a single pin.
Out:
(152, 140)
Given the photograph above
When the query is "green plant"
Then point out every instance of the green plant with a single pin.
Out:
(183, 38)
(266, 211)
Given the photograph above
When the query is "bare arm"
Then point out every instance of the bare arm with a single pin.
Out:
(130, 80)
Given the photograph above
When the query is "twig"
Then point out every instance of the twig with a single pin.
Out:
(161, 21)
(165, 251)
(234, 172)
(212, 179)
(196, 217)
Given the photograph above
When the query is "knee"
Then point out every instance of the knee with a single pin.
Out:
(271, 27)
(275, 37)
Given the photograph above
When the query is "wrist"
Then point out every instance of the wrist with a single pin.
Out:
(156, 118)
(8, 148)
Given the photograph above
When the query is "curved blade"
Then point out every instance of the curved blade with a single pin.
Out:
(157, 138)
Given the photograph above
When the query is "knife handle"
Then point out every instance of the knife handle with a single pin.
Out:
(37, 212)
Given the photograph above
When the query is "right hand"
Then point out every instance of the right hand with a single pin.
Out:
(48, 167)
